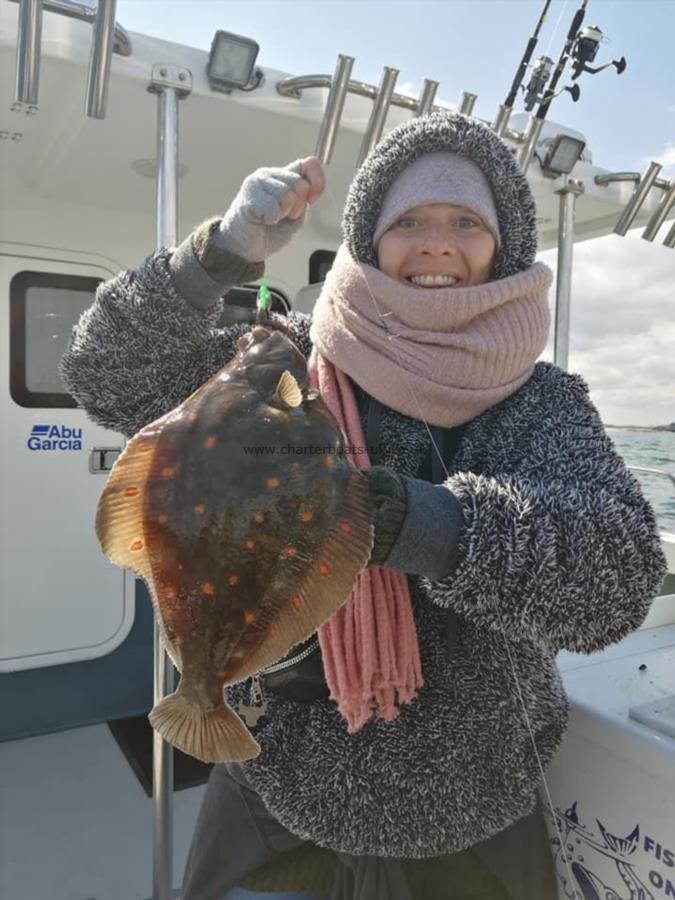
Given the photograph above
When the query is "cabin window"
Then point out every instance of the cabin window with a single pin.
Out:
(44, 307)
(240, 304)
(320, 263)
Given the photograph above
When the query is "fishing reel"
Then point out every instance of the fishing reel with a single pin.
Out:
(585, 49)
(541, 72)
(535, 91)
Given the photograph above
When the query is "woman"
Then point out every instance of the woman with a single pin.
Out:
(495, 490)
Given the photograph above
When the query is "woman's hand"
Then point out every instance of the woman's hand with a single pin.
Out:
(270, 208)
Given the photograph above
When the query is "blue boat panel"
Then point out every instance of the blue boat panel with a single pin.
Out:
(56, 698)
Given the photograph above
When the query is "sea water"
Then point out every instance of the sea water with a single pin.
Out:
(651, 450)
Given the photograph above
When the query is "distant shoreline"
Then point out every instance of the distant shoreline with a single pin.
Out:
(658, 428)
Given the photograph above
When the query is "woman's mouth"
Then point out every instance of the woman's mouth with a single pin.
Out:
(432, 281)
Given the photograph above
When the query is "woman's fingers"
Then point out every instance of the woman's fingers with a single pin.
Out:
(307, 189)
(313, 174)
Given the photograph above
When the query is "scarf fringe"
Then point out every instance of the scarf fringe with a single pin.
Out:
(370, 652)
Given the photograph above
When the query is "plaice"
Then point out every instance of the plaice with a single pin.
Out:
(247, 521)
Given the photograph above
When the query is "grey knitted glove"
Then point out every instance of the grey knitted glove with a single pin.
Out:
(263, 217)
(417, 524)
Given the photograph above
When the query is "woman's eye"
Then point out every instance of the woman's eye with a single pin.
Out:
(466, 223)
(407, 223)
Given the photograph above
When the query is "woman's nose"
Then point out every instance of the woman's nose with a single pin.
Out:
(438, 241)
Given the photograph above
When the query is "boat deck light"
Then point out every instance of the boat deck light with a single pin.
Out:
(562, 154)
(231, 64)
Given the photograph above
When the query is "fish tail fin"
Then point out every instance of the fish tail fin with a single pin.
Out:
(214, 734)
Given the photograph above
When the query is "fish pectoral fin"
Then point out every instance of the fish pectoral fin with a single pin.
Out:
(288, 390)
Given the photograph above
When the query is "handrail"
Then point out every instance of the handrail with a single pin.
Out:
(612, 177)
(74, 10)
(653, 472)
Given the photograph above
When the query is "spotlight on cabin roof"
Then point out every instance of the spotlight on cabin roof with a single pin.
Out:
(562, 154)
(231, 63)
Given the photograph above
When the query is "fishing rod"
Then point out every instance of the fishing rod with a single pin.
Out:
(504, 111)
(537, 121)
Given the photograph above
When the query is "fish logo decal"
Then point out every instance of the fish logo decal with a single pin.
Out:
(244, 555)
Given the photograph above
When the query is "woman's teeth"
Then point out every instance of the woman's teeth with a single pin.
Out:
(433, 280)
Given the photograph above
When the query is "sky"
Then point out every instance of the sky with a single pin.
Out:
(623, 292)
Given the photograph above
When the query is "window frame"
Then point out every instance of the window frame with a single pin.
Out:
(18, 288)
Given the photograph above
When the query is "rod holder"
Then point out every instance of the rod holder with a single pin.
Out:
(378, 115)
(98, 77)
(642, 188)
(427, 97)
(334, 106)
(670, 238)
(659, 215)
(467, 102)
(531, 137)
(28, 53)
(502, 120)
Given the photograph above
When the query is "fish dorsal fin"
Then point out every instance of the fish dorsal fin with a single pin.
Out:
(324, 587)
(119, 517)
(288, 390)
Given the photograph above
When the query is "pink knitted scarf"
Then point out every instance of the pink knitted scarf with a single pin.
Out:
(441, 355)
(444, 356)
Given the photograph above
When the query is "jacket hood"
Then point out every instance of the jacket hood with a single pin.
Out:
(459, 134)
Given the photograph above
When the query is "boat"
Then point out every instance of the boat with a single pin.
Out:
(98, 164)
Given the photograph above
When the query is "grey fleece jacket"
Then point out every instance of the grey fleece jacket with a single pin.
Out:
(558, 549)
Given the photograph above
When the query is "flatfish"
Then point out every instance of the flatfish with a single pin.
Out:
(248, 522)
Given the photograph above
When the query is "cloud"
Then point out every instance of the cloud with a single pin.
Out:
(409, 88)
(666, 158)
(622, 327)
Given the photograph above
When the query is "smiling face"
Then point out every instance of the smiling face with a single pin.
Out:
(437, 245)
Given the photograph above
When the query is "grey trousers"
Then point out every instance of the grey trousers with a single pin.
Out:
(235, 835)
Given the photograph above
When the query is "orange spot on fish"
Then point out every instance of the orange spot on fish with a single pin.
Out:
(306, 515)
(136, 545)
(208, 589)
(249, 617)
(131, 492)
(289, 552)
(192, 418)
(200, 509)
(178, 639)
(224, 674)
(170, 593)
(272, 631)
(324, 569)
(249, 544)
(168, 472)
(231, 644)
(272, 482)
(232, 580)
(162, 520)
(258, 517)
(210, 442)
(345, 526)
(296, 600)
(329, 460)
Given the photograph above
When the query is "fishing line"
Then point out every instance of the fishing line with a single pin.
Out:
(391, 335)
(555, 30)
